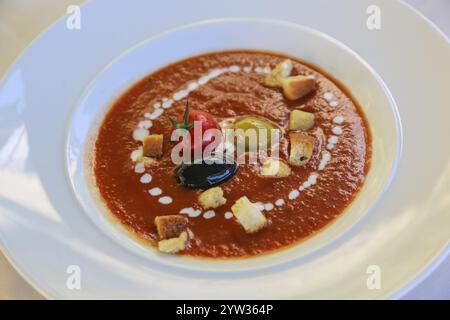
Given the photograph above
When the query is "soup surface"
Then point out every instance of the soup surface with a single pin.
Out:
(229, 85)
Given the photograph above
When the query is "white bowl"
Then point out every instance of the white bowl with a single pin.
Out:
(229, 34)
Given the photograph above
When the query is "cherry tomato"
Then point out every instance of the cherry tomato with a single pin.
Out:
(186, 121)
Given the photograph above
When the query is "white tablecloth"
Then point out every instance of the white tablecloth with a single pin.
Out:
(22, 20)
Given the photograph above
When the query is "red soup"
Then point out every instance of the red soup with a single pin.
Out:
(324, 155)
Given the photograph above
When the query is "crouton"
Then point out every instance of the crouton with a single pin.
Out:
(212, 198)
(282, 70)
(153, 145)
(173, 245)
(301, 120)
(298, 86)
(274, 168)
(301, 149)
(170, 226)
(248, 215)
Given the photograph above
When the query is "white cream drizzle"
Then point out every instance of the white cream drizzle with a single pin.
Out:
(338, 120)
(293, 194)
(326, 157)
(228, 215)
(139, 167)
(159, 107)
(259, 206)
(145, 124)
(146, 178)
(155, 191)
(333, 139)
(328, 96)
(209, 214)
(156, 114)
(191, 212)
(135, 154)
(140, 133)
(337, 130)
(165, 200)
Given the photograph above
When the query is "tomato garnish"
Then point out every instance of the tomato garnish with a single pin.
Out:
(186, 121)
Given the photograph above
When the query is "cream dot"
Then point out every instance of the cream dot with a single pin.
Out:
(326, 157)
(165, 200)
(191, 212)
(330, 146)
(209, 214)
(156, 114)
(167, 104)
(337, 130)
(140, 133)
(145, 124)
(180, 95)
(333, 104)
(187, 210)
(267, 70)
(157, 105)
(195, 213)
(146, 178)
(147, 115)
(247, 69)
(328, 96)
(259, 206)
(312, 179)
(139, 168)
(135, 154)
(338, 119)
(268, 206)
(306, 184)
(234, 68)
(279, 202)
(192, 86)
(155, 191)
(293, 194)
(259, 70)
(228, 215)
(333, 139)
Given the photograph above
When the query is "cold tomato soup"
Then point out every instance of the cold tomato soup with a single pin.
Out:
(324, 155)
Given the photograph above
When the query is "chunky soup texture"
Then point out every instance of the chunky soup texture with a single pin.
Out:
(296, 206)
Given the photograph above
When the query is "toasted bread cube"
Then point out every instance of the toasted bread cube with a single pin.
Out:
(171, 226)
(248, 215)
(212, 198)
(153, 145)
(275, 168)
(301, 120)
(282, 70)
(298, 86)
(302, 148)
(173, 245)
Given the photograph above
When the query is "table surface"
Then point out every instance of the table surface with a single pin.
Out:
(19, 25)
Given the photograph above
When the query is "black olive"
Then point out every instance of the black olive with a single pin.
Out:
(203, 175)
